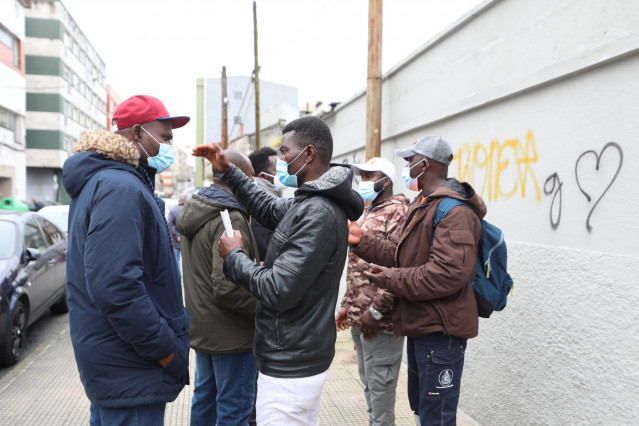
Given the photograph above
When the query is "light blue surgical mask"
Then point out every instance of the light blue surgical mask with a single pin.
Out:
(281, 169)
(411, 183)
(367, 190)
(165, 156)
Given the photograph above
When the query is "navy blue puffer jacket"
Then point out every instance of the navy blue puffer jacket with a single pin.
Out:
(125, 299)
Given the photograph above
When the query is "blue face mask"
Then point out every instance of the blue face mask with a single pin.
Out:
(165, 156)
(281, 169)
(367, 190)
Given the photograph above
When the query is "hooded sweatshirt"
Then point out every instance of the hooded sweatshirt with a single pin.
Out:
(297, 288)
(223, 313)
(124, 292)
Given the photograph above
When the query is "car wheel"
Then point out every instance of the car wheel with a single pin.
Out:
(13, 344)
(60, 307)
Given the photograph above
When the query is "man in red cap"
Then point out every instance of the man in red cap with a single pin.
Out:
(128, 324)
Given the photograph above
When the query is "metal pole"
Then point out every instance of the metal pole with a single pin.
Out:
(225, 101)
(256, 76)
(374, 81)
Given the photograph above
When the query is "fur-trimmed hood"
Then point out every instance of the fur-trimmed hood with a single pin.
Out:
(337, 183)
(97, 150)
(110, 145)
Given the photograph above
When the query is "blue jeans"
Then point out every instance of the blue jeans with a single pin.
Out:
(142, 415)
(176, 252)
(224, 391)
(435, 365)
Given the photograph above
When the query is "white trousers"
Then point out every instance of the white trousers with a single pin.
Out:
(284, 401)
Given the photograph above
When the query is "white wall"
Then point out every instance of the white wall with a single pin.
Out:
(526, 90)
(12, 17)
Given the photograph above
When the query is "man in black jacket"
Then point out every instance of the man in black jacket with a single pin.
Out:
(296, 289)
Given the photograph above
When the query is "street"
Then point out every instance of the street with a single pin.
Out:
(44, 387)
(39, 335)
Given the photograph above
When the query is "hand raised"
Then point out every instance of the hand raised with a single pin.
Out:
(214, 154)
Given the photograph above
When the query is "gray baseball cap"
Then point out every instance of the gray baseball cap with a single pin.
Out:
(434, 147)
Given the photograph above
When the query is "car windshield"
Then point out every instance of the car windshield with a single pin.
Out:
(61, 219)
(8, 233)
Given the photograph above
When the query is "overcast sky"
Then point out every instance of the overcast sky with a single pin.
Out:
(160, 47)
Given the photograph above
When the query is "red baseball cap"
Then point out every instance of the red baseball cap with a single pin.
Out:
(142, 109)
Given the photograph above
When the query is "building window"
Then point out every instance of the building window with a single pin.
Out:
(12, 43)
(6, 37)
(237, 119)
(68, 143)
(8, 119)
(238, 94)
(16, 53)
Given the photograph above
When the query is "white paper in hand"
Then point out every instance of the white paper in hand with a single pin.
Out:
(227, 223)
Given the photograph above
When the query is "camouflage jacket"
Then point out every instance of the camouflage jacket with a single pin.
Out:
(384, 222)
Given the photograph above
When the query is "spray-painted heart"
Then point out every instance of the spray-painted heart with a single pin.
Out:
(598, 157)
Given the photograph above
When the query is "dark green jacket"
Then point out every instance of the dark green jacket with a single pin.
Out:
(223, 313)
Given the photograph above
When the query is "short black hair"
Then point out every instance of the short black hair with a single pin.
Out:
(259, 159)
(311, 130)
(238, 159)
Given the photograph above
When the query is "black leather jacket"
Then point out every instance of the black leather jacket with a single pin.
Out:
(297, 288)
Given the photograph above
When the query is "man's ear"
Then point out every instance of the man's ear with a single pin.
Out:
(387, 182)
(311, 153)
(136, 132)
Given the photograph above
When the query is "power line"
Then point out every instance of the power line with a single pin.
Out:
(244, 98)
(318, 12)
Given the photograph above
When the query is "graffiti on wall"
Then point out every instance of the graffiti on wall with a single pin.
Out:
(506, 168)
(553, 184)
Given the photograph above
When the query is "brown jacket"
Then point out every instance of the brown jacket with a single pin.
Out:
(430, 284)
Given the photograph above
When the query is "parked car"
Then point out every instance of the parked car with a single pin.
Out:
(59, 215)
(32, 276)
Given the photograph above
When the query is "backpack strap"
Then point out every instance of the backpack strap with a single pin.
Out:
(444, 206)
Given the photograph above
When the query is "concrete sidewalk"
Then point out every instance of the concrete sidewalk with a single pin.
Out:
(45, 388)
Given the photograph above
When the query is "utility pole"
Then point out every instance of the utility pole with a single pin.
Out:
(256, 81)
(374, 80)
(199, 130)
(225, 101)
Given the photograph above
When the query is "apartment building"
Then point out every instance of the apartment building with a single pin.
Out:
(66, 93)
(12, 98)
